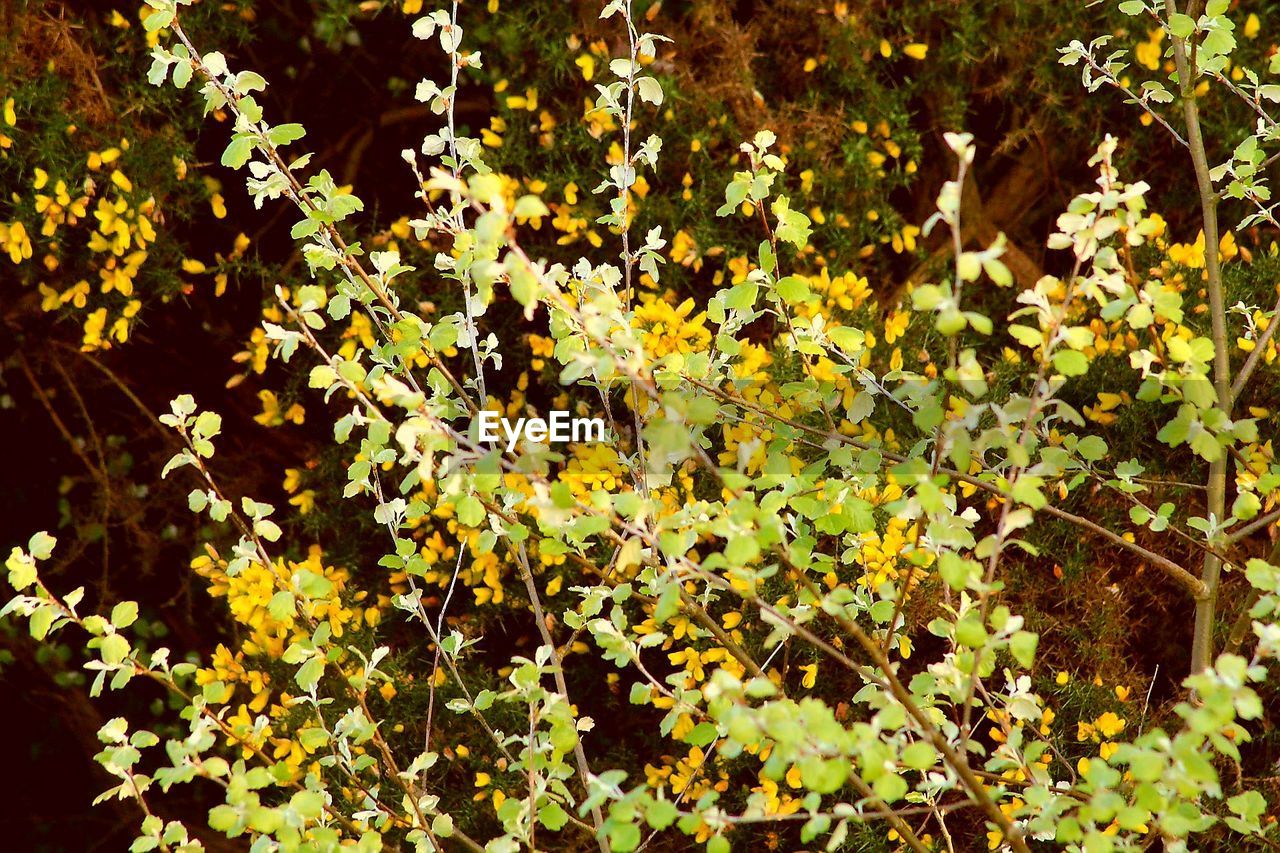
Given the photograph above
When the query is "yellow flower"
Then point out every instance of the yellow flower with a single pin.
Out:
(895, 325)
(810, 671)
(684, 250)
(1189, 254)
(587, 63)
(1109, 725)
(916, 50)
(49, 297)
(270, 415)
(14, 240)
(1227, 248)
(1148, 53)
(669, 329)
(304, 500)
(905, 240)
(93, 327)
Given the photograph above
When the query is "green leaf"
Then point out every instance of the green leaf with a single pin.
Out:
(742, 296)
(40, 621)
(308, 675)
(1246, 506)
(624, 837)
(248, 81)
(1181, 26)
(237, 153)
(529, 207)
(891, 787)
(552, 816)
(793, 288)
(824, 775)
(313, 584)
(470, 511)
(286, 133)
(41, 545)
(1070, 362)
(969, 632)
(207, 425)
(649, 89)
(157, 20)
(215, 63)
(114, 648)
(661, 813)
(701, 735)
(793, 226)
(1022, 645)
(1092, 448)
(22, 569)
(442, 825)
(668, 604)
(741, 550)
(281, 606)
(124, 614)
(919, 756)
(955, 570)
(309, 804)
(1026, 335)
(1249, 805)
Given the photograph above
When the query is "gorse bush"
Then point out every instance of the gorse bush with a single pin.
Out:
(785, 604)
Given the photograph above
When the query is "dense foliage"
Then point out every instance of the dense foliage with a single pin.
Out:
(938, 505)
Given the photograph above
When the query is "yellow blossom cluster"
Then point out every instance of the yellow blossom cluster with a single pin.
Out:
(96, 208)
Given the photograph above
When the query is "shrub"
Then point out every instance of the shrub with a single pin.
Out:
(794, 564)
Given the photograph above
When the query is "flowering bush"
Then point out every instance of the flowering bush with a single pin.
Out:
(798, 598)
